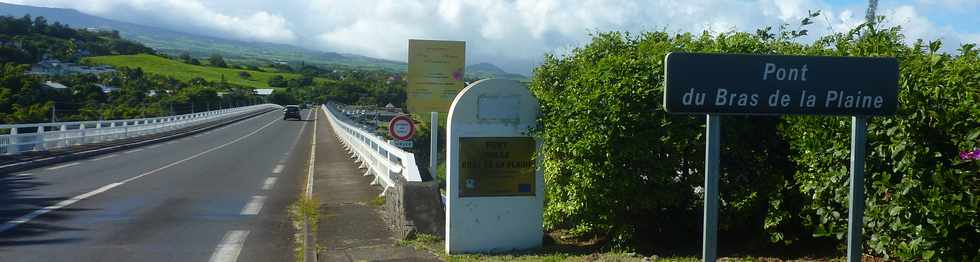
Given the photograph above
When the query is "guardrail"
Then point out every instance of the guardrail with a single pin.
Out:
(20, 138)
(385, 161)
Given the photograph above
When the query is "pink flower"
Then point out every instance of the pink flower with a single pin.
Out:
(970, 155)
(458, 74)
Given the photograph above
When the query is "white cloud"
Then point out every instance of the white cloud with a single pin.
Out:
(258, 26)
(510, 33)
(525, 29)
(916, 26)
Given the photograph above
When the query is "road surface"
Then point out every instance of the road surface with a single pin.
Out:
(217, 196)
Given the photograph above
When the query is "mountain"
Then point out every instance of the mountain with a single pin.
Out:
(488, 70)
(174, 43)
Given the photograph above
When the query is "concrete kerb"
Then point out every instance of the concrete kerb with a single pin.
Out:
(32, 164)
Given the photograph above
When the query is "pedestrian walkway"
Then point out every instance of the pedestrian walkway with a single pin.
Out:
(351, 227)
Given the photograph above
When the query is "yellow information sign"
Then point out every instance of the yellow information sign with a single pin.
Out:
(435, 74)
(496, 166)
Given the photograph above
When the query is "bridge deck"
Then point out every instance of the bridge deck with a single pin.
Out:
(351, 227)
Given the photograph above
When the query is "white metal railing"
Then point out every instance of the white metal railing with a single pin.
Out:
(19, 138)
(383, 160)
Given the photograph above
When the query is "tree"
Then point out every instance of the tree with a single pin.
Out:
(217, 61)
(283, 98)
(185, 57)
(277, 81)
(39, 24)
(244, 75)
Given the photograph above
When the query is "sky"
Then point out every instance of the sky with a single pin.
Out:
(513, 34)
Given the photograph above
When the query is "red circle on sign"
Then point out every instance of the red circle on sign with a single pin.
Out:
(401, 128)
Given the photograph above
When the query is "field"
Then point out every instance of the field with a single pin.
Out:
(185, 72)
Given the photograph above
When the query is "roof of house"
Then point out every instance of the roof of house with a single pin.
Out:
(55, 85)
(107, 89)
(264, 91)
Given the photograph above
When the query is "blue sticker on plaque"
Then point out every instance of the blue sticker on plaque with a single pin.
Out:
(524, 188)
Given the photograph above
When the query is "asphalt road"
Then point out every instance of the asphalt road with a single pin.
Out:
(217, 196)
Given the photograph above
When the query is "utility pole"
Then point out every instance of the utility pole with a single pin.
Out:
(870, 15)
(53, 106)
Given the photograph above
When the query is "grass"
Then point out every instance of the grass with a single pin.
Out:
(185, 72)
(574, 250)
(559, 252)
(378, 201)
(304, 210)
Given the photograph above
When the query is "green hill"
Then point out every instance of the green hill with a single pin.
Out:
(185, 72)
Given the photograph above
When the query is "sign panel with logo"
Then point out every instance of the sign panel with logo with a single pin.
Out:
(496, 166)
(435, 74)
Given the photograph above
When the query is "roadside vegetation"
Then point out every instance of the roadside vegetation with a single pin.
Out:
(186, 72)
(619, 168)
(148, 84)
(436, 246)
(132, 93)
(305, 218)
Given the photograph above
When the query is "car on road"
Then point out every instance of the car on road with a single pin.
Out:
(291, 111)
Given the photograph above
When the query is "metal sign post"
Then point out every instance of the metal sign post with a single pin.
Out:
(738, 84)
(433, 142)
(855, 213)
(711, 155)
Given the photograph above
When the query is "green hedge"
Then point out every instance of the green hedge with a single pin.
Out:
(617, 164)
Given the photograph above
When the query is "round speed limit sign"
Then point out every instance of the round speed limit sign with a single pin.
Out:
(401, 128)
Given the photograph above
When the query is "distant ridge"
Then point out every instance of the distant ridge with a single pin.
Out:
(488, 70)
(174, 43)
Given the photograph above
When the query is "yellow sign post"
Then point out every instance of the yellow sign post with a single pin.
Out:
(435, 74)
(496, 166)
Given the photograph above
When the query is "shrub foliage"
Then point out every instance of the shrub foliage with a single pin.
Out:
(616, 162)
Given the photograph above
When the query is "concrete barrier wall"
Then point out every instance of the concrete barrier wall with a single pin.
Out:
(414, 207)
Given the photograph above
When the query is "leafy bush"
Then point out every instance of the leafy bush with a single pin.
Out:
(921, 198)
(615, 162)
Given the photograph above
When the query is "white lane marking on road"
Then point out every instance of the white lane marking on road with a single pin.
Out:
(199, 154)
(278, 169)
(63, 166)
(105, 157)
(22, 174)
(255, 206)
(172, 142)
(153, 146)
(230, 246)
(133, 151)
(310, 174)
(26, 218)
(269, 183)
